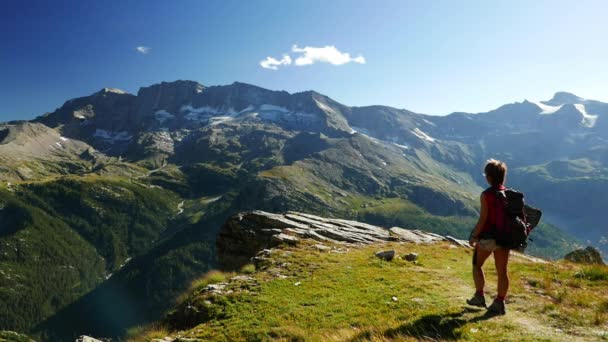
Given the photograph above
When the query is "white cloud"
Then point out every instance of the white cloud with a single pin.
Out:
(273, 63)
(143, 49)
(310, 55)
(326, 54)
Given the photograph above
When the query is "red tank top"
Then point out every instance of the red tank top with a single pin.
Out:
(495, 212)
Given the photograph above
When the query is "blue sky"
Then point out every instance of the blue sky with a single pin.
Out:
(432, 57)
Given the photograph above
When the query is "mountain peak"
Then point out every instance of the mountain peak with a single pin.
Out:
(111, 90)
(562, 97)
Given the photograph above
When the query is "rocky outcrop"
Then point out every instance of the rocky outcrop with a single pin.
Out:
(247, 233)
(588, 255)
(85, 338)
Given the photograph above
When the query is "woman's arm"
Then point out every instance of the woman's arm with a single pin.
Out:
(483, 216)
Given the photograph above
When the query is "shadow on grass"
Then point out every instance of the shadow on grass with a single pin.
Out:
(433, 327)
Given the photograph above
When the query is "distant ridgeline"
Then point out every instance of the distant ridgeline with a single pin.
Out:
(116, 195)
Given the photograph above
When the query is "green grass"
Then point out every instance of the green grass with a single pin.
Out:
(248, 269)
(593, 273)
(60, 238)
(212, 277)
(347, 295)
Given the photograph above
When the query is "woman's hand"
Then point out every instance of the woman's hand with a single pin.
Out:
(473, 241)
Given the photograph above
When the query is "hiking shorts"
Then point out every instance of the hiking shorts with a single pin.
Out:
(487, 245)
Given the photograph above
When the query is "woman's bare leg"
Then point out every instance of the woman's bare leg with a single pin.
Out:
(501, 259)
(478, 275)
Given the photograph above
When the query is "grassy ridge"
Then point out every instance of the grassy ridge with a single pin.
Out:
(302, 293)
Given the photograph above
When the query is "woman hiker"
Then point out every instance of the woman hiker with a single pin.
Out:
(483, 242)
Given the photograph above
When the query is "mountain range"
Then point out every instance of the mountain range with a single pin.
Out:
(117, 198)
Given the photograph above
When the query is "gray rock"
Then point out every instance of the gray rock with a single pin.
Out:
(411, 257)
(406, 235)
(458, 242)
(386, 255)
(243, 277)
(588, 255)
(284, 238)
(322, 247)
(216, 288)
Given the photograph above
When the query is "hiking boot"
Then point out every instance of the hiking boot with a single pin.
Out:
(477, 300)
(497, 308)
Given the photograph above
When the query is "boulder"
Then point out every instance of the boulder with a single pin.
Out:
(411, 257)
(588, 255)
(386, 255)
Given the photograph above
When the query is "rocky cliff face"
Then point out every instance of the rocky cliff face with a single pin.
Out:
(247, 233)
(163, 114)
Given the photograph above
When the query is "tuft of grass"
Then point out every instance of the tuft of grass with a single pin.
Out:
(248, 269)
(560, 295)
(147, 333)
(211, 277)
(599, 319)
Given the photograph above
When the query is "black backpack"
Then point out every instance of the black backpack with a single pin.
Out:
(519, 220)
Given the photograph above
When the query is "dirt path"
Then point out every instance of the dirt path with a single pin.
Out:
(526, 325)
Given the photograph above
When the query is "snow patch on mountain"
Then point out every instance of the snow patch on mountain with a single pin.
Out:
(269, 107)
(198, 114)
(387, 140)
(162, 116)
(359, 130)
(428, 122)
(546, 109)
(276, 113)
(113, 90)
(113, 137)
(325, 107)
(246, 109)
(588, 119)
(211, 114)
(402, 146)
(215, 120)
(199, 110)
(420, 134)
